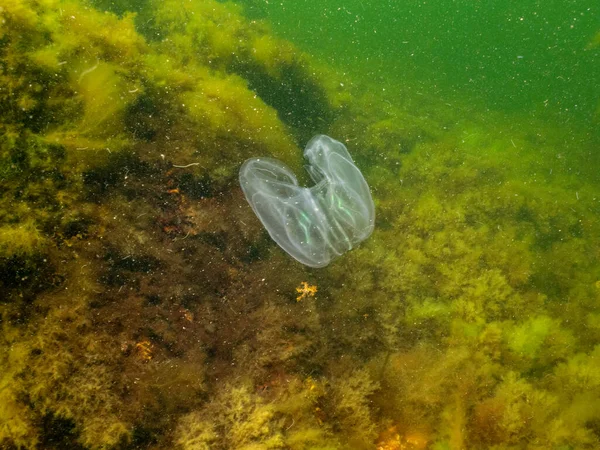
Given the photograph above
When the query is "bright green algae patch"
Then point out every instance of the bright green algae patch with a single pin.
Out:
(143, 305)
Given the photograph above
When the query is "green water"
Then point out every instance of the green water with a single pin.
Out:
(144, 305)
(525, 56)
(536, 57)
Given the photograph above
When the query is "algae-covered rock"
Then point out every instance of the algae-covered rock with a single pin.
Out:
(193, 433)
(213, 86)
(24, 262)
(217, 36)
(21, 240)
(96, 109)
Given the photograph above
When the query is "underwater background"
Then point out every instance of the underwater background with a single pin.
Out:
(144, 306)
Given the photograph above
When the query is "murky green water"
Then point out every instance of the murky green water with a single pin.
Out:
(144, 305)
(529, 56)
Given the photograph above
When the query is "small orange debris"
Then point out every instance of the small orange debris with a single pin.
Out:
(144, 350)
(391, 439)
(187, 314)
(173, 191)
(305, 290)
(392, 444)
(416, 440)
(310, 384)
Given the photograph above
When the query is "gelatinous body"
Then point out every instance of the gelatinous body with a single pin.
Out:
(313, 224)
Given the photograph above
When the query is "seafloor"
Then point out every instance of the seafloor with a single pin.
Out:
(144, 306)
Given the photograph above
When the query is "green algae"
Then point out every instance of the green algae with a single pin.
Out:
(143, 305)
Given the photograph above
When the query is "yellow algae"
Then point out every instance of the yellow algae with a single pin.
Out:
(305, 290)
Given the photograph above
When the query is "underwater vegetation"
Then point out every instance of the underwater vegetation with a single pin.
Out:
(143, 305)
